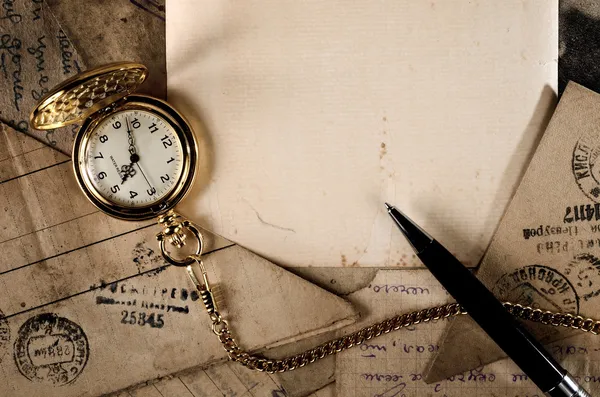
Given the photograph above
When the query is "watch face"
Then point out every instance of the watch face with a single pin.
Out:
(133, 158)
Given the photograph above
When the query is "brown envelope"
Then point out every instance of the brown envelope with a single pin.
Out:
(546, 251)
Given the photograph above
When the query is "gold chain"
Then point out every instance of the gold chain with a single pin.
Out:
(220, 326)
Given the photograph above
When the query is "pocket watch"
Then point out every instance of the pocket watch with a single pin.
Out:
(135, 158)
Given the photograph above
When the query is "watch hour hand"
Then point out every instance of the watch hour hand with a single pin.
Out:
(127, 171)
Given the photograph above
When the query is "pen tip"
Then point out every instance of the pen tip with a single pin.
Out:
(416, 236)
(389, 207)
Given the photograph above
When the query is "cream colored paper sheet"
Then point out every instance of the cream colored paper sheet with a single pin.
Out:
(89, 306)
(319, 111)
(395, 364)
(545, 252)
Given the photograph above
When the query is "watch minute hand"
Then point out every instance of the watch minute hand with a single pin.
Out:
(132, 150)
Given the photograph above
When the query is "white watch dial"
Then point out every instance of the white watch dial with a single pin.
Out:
(134, 158)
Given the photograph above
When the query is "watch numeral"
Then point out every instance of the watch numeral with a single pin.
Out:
(103, 138)
(102, 175)
(100, 156)
(132, 194)
(116, 125)
(135, 123)
(151, 191)
(153, 128)
(166, 141)
(165, 178)
(115, 188)
(171, 160)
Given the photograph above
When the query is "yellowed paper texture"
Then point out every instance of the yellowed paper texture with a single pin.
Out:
(319, 111)
(233, 380)
(395, 364)
(228, 380)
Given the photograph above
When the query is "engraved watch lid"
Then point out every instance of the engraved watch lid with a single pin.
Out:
(78, 97)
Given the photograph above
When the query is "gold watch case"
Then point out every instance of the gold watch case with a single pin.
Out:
(97, 94)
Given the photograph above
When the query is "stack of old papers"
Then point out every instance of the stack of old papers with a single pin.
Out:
(317, 112)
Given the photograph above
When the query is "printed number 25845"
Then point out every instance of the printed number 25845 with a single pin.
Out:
(142, 318)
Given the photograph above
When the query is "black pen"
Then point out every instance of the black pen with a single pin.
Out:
(489, 313)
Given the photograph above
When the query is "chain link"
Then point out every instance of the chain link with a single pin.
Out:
(334, 346)
(254, 362)
(221, 328)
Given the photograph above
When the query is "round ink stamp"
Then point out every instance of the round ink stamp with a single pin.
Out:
(586, 165)
(51, 350)
(4, 335)
(539, 287)
(583, 271)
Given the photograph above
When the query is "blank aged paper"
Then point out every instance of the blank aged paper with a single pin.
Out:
(319, 111)
(546, 250)
(394, 364)
(89, 305)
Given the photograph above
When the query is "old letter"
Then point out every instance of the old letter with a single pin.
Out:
(395, 364)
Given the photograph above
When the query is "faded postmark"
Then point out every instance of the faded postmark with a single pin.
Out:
(585, 165)
(540, 287)
(50, 349)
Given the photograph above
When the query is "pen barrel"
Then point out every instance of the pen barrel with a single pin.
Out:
(487, 311)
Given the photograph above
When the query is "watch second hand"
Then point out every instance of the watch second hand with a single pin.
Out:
(144, 175)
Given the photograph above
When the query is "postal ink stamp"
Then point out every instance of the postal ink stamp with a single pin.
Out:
(539, 287)
(583, 272)
(141, 303)
(51, 350)
(4, 335)
(586, 165)
(145, 258)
